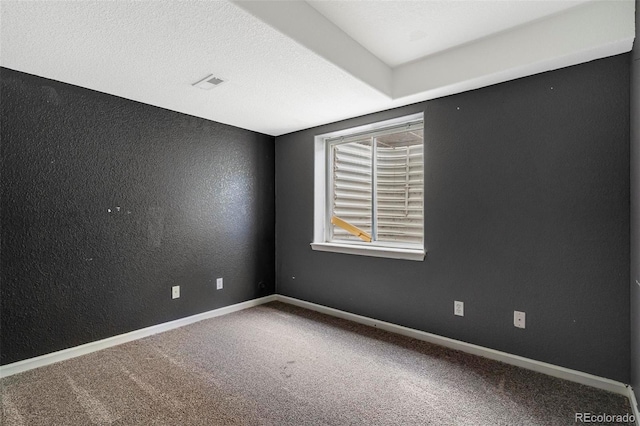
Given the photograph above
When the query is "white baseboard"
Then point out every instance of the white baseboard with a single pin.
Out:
(529, 364)
(634, 405)
(41, 361)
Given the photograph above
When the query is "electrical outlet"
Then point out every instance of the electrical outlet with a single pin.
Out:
(458, 308)
(175, 292)
(518, 319)
(219, 284)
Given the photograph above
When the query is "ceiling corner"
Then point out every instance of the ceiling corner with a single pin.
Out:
(305, 25)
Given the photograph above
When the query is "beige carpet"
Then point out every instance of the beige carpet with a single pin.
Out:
(281, 365)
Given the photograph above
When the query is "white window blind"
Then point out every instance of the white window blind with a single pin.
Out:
(400, 193)
(376, 184)
(352, 187)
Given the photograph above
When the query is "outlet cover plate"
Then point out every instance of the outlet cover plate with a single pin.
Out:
(519, 319)
(219, 284)
(458, 308)
(175, 292)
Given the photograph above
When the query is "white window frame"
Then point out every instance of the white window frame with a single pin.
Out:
(321, 207)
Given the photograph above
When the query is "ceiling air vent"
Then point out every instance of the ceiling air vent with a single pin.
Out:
(209, 82)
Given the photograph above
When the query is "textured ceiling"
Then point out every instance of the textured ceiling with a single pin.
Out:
(290, 66)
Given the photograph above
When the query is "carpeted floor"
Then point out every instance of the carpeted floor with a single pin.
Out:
(277, 364)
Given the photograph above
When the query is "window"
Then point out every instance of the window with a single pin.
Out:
(369, 186)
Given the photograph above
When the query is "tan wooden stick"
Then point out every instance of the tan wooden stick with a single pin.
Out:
(351, 229)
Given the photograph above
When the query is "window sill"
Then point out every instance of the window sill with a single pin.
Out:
(374, 251)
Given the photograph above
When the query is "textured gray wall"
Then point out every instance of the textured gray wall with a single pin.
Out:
(526, 208)
(635, 209)
(196, 202)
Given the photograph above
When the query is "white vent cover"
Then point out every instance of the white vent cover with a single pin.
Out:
(209, 82)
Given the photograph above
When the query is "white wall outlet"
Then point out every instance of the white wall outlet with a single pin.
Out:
(219, 284)
(518, 319)
(175, 291)
(458, 308)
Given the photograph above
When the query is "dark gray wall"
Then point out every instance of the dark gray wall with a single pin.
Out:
(526, 208)
(635, 209)
(195, 199)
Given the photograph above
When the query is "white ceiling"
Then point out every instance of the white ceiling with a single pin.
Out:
(398, 35)
(291, 65)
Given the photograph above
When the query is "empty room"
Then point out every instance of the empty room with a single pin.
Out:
(320, 212)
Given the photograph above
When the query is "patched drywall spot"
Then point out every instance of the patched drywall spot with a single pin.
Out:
(51, 95)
